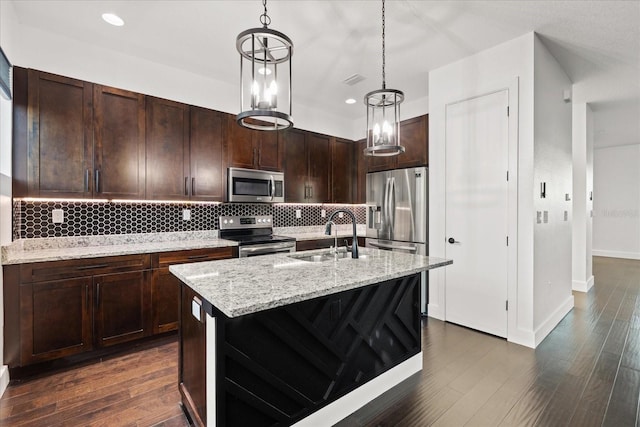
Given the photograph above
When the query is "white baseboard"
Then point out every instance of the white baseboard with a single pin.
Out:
(4, 378)
(552, 321)
(351, 402)
(582, 286)
(615, 254)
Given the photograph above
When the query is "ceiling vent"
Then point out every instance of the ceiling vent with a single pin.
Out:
(353, 79)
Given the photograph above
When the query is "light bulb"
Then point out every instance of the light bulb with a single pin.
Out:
(376, 133)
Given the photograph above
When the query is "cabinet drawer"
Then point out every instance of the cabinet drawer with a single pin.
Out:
(165, 259)
(42, 271)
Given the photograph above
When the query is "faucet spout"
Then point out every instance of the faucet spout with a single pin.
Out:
(354, 246)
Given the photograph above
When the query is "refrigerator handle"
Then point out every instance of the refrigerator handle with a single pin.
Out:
(387, 203)
(392, 204)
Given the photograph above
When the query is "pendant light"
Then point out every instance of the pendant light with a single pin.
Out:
(383, 115)
(265, 77)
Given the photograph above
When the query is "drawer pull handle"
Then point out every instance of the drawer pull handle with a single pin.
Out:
(89, 267)
(198, 256)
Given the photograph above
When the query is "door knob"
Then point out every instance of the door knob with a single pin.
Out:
(452, 240)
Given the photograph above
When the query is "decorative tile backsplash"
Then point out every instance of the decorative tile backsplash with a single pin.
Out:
(33, 219)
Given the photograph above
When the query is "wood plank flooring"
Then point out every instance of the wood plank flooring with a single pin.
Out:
(586, 373)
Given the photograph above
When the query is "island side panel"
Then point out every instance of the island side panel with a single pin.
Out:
(193, 357)
(283, 364)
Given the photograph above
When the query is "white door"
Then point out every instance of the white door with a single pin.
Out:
(476, 213)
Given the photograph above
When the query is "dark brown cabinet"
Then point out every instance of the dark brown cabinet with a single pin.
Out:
(122, 307)
(252, 149)
(414, 137)
(75, 139)
(119, 144)
(307, 167)
(167, 140)
(342, 171)
(55, 319)
(71, 307)
(207, 164)
(360, 180)
(59, 147)
(165, 287)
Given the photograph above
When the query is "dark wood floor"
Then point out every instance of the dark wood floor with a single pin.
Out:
(586, 373)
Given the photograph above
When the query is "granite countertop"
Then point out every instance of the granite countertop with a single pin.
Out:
(63, 248)
(246, 285)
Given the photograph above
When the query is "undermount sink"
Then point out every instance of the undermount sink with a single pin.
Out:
(325, 256)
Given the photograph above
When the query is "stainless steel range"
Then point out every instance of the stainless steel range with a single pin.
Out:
(254, 235)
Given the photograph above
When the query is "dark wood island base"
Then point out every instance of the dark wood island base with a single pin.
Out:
(276, 367)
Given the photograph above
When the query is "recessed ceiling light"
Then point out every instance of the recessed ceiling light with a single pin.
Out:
(113, 19)
(350, 101)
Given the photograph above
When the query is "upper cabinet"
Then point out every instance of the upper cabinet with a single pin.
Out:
(414, 137)
(167, 149)
(207, 160)
(119, 143)
(342, 171)
(185, 152)
(58, 151)
(307, 167)
(252, 149)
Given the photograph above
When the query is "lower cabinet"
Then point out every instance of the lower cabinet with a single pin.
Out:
(59, 309)
(55, 319)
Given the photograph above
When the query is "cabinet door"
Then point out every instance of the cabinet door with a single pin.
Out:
(207, 155)
(60, 148)
(319, 155)
(165, 295)
(361, 172)
(242, 153)
(414, 134)
(119, 142)
(167, 141)
(342, 171)
(295, 166)
(122, 307)
(268, 150)
(55, 319)
(381, 163)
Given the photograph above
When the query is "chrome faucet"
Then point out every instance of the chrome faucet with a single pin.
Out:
(327, 231)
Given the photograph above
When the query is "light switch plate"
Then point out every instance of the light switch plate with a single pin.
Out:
(196, 312)
(323, 213)
(545, 216)
(298, 213)
(57, 216)
(340, 214)
(186, 214)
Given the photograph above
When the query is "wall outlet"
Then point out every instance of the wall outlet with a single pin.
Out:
(298, 213)
(323, 213)
(57, 216)
(186, 214)
(340, 214)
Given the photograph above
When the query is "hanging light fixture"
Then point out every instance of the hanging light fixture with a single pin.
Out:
(265, 79)
(383, 115)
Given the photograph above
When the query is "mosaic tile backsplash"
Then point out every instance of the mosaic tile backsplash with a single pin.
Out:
(33, 219)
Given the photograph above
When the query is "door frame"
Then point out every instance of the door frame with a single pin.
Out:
(512, 86)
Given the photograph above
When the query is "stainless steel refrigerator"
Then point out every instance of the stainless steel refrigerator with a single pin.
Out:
(397, 213)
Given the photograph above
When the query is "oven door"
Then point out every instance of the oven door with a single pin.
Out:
(266, 248)
(248, 185)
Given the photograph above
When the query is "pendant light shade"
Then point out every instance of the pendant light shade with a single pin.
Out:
(265, 77)
(383, 115)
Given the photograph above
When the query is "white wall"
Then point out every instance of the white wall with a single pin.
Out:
(582, 124)
(509, 65)
(552, 165)
(7, 18)
(616, 201)
(539, 148)
(73, 58)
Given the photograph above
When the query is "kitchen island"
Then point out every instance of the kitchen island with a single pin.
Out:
(278, 340)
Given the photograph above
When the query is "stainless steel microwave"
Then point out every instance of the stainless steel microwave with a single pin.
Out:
(255, 186)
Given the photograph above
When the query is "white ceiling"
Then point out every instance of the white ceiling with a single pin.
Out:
(596, 42)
